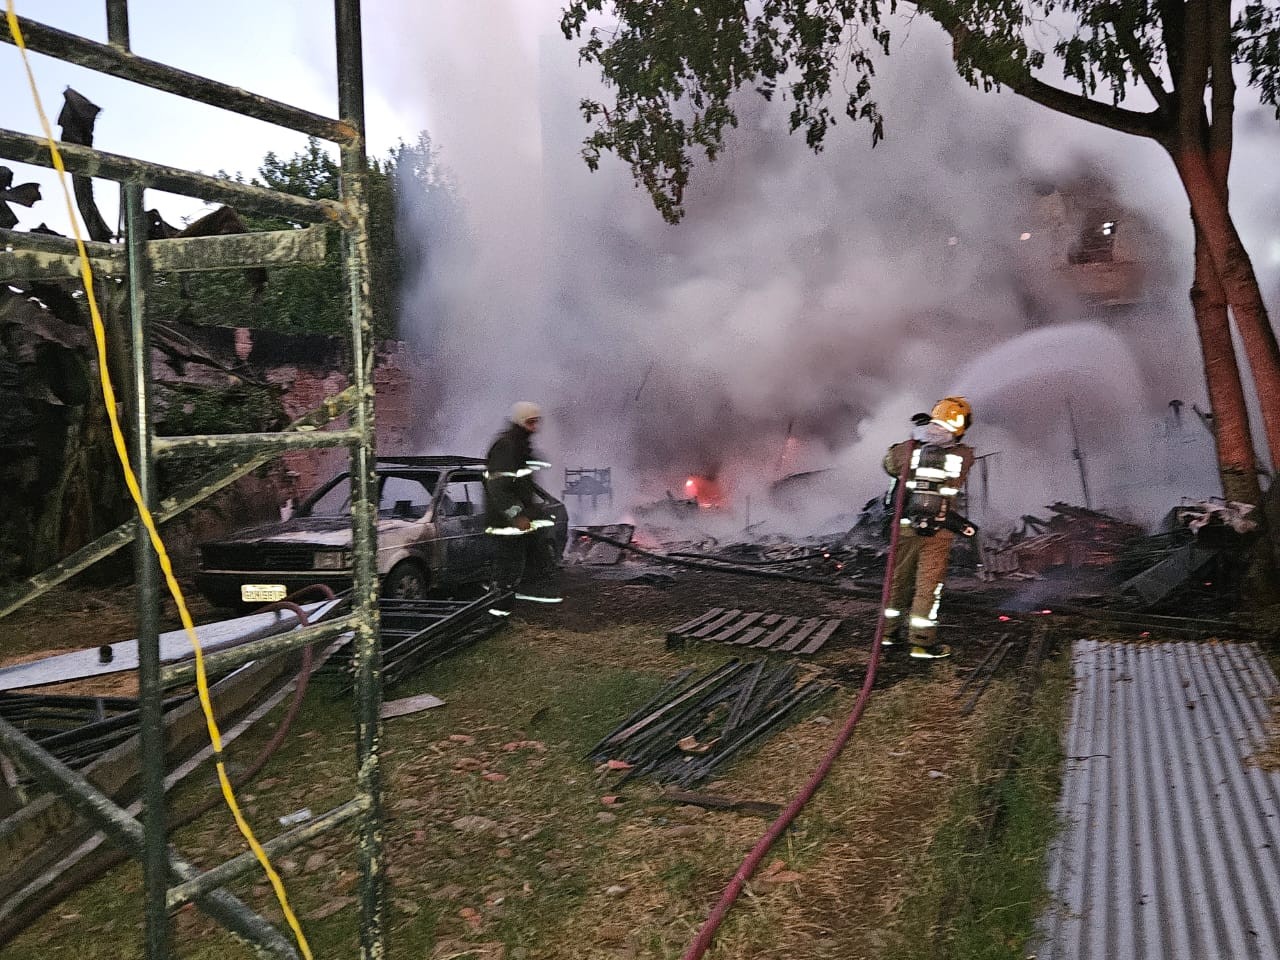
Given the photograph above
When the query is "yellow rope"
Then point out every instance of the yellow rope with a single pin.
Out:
(131, 481)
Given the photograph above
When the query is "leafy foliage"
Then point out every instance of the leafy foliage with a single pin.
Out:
(312, 298)
(677, 66)
(1258, 45)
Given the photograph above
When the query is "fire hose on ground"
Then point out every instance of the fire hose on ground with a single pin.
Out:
(702, 941)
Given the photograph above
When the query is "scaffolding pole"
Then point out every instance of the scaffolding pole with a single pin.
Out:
(167, 878)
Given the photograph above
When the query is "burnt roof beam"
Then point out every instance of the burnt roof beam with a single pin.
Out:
(24, 148)
(118, 61)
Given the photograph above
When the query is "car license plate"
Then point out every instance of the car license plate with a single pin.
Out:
(262, 592)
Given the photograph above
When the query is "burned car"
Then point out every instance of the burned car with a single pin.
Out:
(430, 535)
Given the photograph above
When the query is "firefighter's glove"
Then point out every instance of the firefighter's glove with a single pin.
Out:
(522, 524)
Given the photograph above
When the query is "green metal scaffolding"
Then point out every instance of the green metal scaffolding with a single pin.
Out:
(169, 880)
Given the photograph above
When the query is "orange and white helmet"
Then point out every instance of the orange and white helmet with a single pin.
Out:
(953, 413)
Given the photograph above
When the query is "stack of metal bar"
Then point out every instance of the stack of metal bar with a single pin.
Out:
(75, 729)
(693, 726)
(418, 633)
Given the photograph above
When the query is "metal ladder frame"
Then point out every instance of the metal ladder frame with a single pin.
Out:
(170, 881)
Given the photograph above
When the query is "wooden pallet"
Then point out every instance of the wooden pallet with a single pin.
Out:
(760, 631)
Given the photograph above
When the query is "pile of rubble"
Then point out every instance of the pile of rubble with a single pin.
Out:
(1073, 537)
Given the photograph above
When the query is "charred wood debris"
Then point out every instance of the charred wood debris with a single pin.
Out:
(1193, 565)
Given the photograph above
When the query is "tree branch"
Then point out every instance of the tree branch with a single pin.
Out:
(1194, 77)
(1133, 122)
(1141, 64)
(1172, 19)
(1017, 77)
(1223, 94)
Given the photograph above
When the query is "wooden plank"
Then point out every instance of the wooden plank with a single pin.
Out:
(717, 624)
(747, 636)
(695, 622)
(735, 627)
(779, 632)
(800, 635)
(822, 636)
(770, 620)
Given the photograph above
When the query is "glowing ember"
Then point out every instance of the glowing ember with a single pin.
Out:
(1003, 619)
(705, 490)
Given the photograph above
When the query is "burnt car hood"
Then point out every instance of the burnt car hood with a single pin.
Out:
(320, 531)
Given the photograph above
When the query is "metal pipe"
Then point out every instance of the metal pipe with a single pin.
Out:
(367, 665)
(123, 830)
(116, 60)
(1078, 455)
(700, 771)
(981, 688)
(165, 447)
(86, 161)
(669, 688)
(109, 253)
(219, 662)
(982, 665)
(151, 741)
(692, 695)
(26, 591)
(238, 866)
(117, 28)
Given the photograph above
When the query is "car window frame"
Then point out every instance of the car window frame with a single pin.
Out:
(473, 474)
(381, 474)
(417, 477)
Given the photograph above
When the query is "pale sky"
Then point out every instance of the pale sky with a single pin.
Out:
(278, 48)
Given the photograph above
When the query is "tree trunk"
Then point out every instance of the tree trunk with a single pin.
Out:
(1237, 462)
(1240, 285)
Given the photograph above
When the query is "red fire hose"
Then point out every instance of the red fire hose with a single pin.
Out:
(702, 941)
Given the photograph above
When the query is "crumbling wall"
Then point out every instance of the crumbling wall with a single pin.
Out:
(302, 370)
(207, 379)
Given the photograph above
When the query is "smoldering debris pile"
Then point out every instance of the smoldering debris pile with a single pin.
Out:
(1072, 537)
(600, 546)
(1195, 560)
(805, 561)
(815, 558)
(694, 725)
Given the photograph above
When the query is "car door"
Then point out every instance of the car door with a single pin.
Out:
(459, 520)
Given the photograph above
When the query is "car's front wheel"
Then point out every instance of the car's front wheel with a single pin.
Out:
(406, 581)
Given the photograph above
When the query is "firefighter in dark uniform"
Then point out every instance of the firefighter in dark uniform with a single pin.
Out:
(524, 562)
(934, 465)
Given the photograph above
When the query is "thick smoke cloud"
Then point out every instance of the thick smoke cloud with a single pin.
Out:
(818, 298)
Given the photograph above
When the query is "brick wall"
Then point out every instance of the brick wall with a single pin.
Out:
(304, 368)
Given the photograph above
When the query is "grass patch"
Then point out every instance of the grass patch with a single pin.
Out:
(982, 887)
(498, 842)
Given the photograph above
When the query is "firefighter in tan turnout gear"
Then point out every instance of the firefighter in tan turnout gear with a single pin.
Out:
(934, 465)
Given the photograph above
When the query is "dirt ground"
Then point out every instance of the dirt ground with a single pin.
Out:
(502, 842)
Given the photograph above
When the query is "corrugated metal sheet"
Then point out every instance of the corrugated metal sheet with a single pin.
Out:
(1171, 840)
